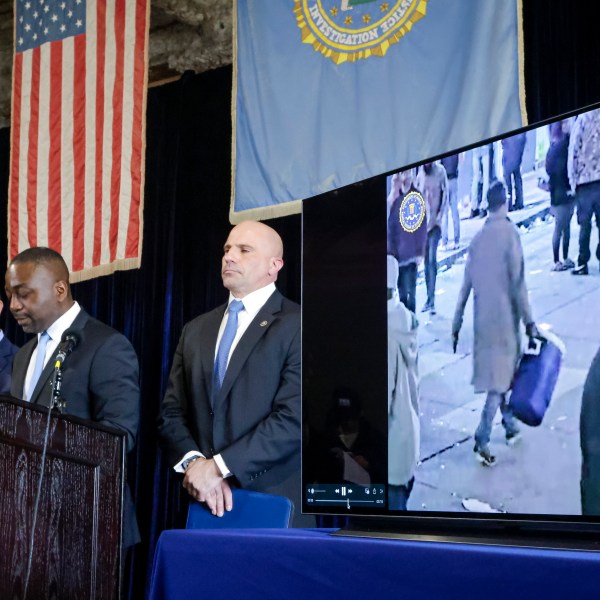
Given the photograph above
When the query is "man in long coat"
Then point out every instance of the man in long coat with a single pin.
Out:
(496, 273)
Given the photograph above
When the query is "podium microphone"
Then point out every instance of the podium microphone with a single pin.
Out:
(68, 343)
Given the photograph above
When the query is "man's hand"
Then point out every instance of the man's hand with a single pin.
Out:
(532, 332)
(454, 341)
(204, 482)
(220, 499)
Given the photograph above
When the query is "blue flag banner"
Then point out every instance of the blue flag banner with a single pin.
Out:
(330, 92)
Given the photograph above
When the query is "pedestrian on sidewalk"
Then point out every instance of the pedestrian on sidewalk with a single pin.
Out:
(450, 163)
(584, 176)
(512, 156)
(589, 428)
(483, 174)
(407, 234)
(433, 183)
(495, 272)
(404, 428)
(562, 202)
(393, 193)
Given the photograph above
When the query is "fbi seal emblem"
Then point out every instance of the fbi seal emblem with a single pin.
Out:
(412, 211)
(348, 30)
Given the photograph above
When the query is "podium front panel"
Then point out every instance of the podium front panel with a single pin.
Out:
(77, 542)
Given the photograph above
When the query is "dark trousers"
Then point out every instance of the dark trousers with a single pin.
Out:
(588, 205)
(562, 229)
(407, 285)
(433, 239)
(515, 174)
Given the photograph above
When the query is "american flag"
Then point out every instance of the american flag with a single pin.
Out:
(78, 127)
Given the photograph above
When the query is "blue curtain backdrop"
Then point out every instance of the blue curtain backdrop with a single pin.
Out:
(185, 225)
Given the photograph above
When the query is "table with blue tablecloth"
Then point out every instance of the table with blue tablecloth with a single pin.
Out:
(312, 564)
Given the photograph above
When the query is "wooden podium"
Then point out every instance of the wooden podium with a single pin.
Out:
(77, 545)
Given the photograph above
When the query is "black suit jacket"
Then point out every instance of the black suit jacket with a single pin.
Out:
(7, 353)
(100, 383)
(255, 423)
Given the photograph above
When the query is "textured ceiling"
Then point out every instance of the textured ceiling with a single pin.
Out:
(184, 35)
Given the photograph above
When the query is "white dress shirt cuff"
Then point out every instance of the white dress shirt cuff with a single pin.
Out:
(225, 472)
(178, 468)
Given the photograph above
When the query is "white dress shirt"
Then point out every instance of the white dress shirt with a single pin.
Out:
(55, 332)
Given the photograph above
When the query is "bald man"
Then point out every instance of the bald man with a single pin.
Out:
(231, 413)
(100, 377)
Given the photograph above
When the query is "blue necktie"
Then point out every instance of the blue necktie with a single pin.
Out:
(226, 340)
(39, 363)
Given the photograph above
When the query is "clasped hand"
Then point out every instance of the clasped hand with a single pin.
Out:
(204, 482)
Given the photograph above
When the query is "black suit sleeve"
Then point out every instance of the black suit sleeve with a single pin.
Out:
(175, 436)
(114, 386)
(7, 354)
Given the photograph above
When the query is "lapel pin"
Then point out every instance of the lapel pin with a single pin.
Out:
(264, 323)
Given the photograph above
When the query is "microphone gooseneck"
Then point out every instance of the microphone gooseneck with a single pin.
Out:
(69, 342)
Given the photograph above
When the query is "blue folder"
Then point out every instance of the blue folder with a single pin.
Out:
(250, 510)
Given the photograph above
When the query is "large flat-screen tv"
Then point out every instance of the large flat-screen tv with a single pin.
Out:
(395, 434)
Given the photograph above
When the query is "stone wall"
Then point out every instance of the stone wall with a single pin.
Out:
(184, 35)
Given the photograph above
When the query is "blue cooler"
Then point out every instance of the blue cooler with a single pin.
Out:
(535, 380)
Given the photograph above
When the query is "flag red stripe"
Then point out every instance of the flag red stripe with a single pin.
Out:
(79, 152)
(15, 156)
(132, 247)
(54, 159)
(100, 63)
(32, 149)
(117, 125)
